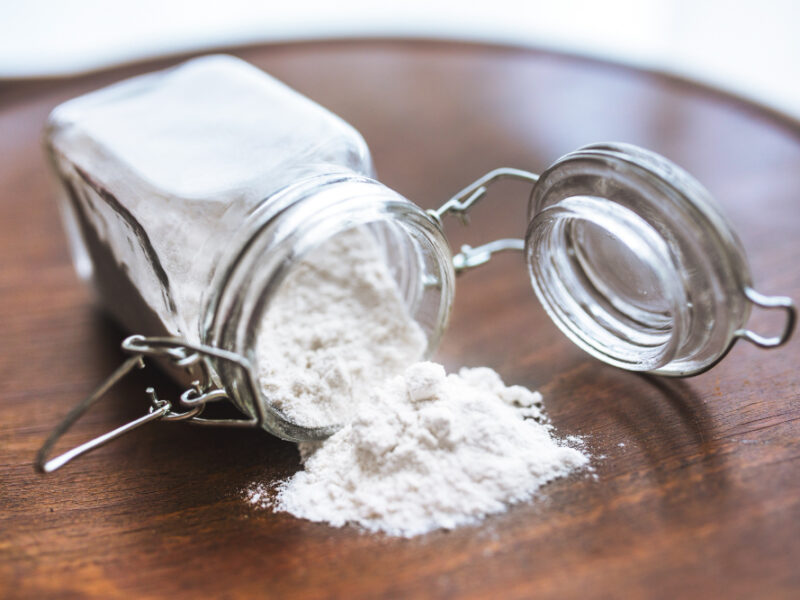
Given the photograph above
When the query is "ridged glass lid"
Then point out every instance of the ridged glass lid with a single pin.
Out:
(635, 263)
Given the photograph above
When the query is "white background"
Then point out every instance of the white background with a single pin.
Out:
(749, 47)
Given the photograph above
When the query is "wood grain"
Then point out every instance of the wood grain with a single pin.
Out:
(696, 492)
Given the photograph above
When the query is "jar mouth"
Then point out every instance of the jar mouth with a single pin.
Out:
(605, 277)
(412, 245)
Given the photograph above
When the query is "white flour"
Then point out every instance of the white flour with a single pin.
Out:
(336, 328)
(422, 450)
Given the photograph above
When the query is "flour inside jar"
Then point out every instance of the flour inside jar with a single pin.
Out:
(337, 326)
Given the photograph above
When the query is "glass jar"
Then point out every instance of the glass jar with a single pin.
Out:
(191, 193)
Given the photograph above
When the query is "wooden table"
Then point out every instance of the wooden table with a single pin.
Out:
(697, 487)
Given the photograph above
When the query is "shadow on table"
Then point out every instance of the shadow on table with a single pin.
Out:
(661, 441)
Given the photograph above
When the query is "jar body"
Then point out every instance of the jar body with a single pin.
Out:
(160, 172)
(190, 192)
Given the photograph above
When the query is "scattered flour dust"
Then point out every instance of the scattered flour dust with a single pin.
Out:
(419, 450)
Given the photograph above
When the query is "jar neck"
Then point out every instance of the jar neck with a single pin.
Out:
(285, 228)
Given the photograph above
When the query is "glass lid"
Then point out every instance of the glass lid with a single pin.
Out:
(632, 259)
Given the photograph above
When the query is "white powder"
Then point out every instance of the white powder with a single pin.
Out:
(422, 450)
(429, 451)
(336, 328)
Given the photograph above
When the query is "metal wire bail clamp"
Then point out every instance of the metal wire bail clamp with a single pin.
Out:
(460, 205)
(194, 358)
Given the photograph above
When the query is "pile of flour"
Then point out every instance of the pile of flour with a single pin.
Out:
(419, 450)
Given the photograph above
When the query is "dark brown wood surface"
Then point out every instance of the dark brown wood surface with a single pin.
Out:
(697, 487)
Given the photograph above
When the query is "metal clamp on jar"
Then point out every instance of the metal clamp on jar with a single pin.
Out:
(188, 245)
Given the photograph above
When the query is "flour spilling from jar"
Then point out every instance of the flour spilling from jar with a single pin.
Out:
(418, 449)
(337, 326)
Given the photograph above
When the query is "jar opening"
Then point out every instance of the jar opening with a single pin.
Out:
(348, 313)
(349, 279)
